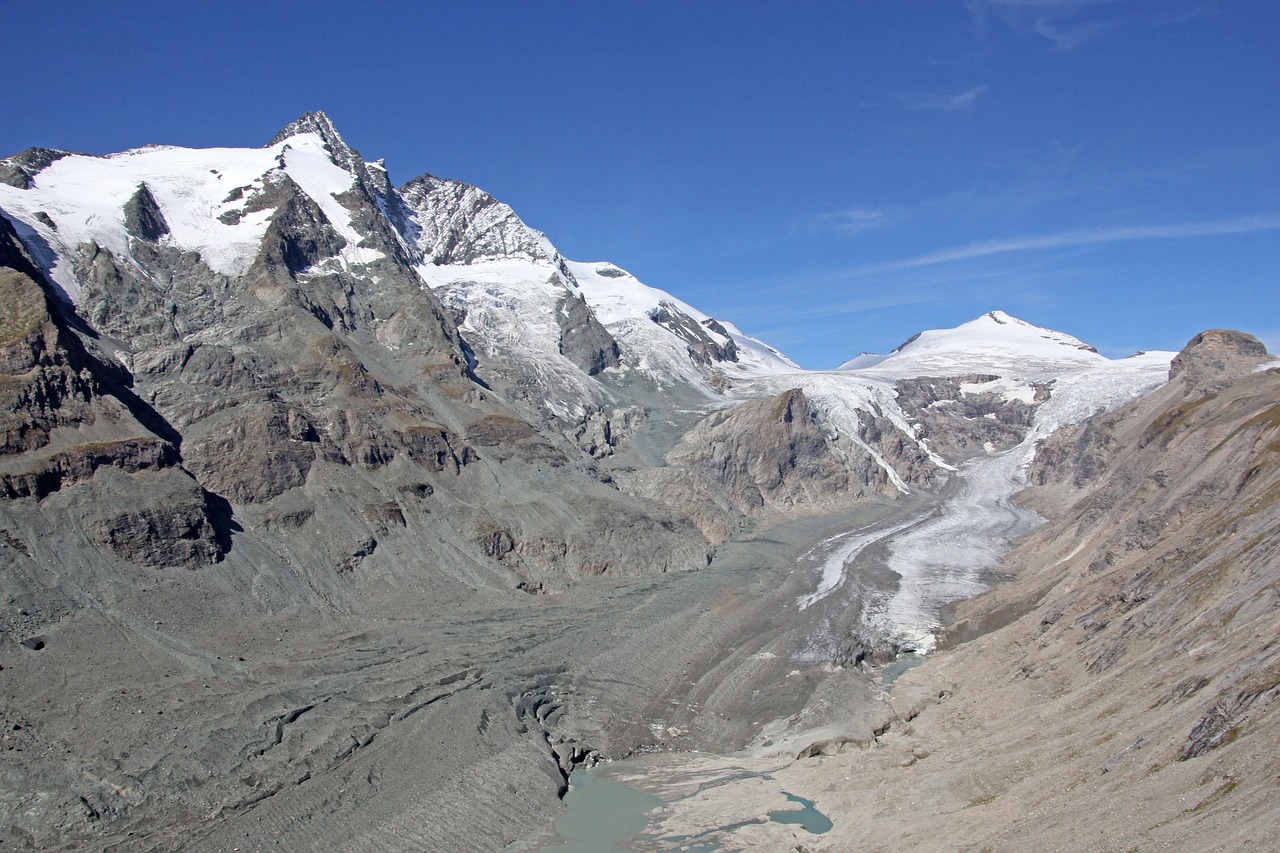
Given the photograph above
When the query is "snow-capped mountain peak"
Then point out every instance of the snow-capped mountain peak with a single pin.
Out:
(213, 201)
(343, 155)
(996, 342)
(456, 223)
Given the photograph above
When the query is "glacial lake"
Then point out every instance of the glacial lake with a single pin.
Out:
(603, 815)
(807, 818)
(600, 815)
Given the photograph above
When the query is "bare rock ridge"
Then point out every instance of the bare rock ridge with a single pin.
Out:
(702, 348)
(760, 458)
(461, 224)
(1216, 357)
(142, 216)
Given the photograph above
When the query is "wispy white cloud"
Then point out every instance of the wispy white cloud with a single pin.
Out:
(1066, 36)
(960, 101)
(1079, 238)
(942, 100)
(949, 101)
(1067, 24)
(854, 220)
(841, 294)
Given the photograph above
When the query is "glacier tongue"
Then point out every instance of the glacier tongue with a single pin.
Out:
(950, 557)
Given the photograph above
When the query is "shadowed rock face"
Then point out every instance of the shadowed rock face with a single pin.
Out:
(142, 216)
(67, 426)
(587, 343)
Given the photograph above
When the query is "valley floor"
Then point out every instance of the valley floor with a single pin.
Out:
(447, 732)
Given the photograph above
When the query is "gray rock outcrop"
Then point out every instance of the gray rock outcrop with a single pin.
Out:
(21, 169)
(1215, 357)
(143, 218)
(759, 458)
(583, 339)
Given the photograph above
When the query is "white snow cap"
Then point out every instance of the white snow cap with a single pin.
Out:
(993, 343)
(202, 194)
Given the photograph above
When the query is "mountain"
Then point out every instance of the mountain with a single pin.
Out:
(335, 509)
(993, 341)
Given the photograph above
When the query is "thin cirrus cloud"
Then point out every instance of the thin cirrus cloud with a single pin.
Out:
(944, 102)
(948, 101)
(1067, 24)
(1078, 238)
(962, 101)
(854, 220)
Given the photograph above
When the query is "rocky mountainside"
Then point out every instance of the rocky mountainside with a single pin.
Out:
(1143, 623)
(312, 381)
(310, 482)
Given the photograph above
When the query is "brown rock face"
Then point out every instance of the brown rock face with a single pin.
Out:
(62, 429)
(1215, 357)
(169, 527)
(756, 458)
(44, 380)
(764, 453)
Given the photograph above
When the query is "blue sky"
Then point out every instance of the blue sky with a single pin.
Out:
(832, 176)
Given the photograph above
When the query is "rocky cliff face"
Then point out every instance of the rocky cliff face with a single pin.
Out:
(761, 458)
(460, 224)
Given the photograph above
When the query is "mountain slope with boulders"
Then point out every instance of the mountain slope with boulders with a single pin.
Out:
(331, 509)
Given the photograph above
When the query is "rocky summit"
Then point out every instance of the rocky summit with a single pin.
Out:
(341, 514)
